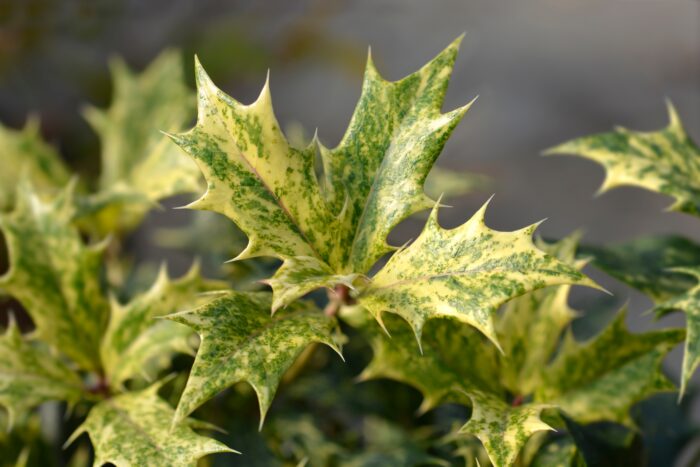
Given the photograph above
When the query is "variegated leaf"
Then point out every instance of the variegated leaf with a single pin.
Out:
(240, 341)
(137, 344)
(30, 374)
(645, 263)
(689, 303)
(134, 428)
(329, 232)
(503, 429)
(465, 273)
(602, 378)
(25, 154)
(530, 326)
(665, 161)
(448, 183)
(139, 165)
(54, 275)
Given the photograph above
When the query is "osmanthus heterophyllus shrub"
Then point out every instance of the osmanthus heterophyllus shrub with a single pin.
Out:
(429, 313)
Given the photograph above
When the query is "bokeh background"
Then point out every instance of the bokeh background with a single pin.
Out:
(545, 71)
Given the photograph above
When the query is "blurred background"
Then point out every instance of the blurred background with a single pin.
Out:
(545, 71)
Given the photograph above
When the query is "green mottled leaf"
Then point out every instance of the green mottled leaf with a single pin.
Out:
(242, 342)
(54, 275)
(139, 165)
(689, 303)
(666, 161)
(465, 273)
(644, 263)
(25, 154)
(530, 326)
(137, 344)
(329, 232)
(448, 183)
(135, 429)
(503, 429)
(30, 375)
(602, 378)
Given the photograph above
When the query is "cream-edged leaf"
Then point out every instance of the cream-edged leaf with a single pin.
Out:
(54, 275)
(666, 161)
(134, 428)
(240, 341)
(137, 344)
(465, 273)
(689, 303)
(25, 154)
(602, 378)
(30, 375)
(139, 165)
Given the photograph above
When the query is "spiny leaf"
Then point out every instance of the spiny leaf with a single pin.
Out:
(530, 326)
(644, 263)
(448, 183)
(465, 273)
(139, 165)
(665, 161)
(54, 275)
(134, 429)
(30, 374)
(503, 429)
(689, 303)
(25, 154)
(602, 378)
(134, 339)
(242, 342)
(335, 229)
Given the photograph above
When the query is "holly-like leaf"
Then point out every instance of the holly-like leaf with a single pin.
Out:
(665, 161)
(503, 429)
(689, 303)
(645, 263)
(137, 344)
(30, 375)
(25, 154)
(139, 165)
(465, 274)
(134, 429)
(240, 341)
(602, 378)
(334, 230)
(530, 326)
(54, 275)
(448, 183)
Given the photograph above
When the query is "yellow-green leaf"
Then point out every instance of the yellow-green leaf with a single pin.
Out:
(135, 429)
(689, 303)
(240, 341)
(329, 232)
(30, 374)
(54, 275)
(25, 154)
(465, 274)
(602, 378)
(137, 344)
(666, 161)
(139, 165)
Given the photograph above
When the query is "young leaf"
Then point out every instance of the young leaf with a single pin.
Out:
(602, 378)
(465, 273)
(31, 374)
(54, 275)
(240, 341)
(134, 429)
(530, 326)
(665, 161)
(139, 165)
(336, 230)
(25, 154)
(135, 344)
(689, 303)
(645, 263)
